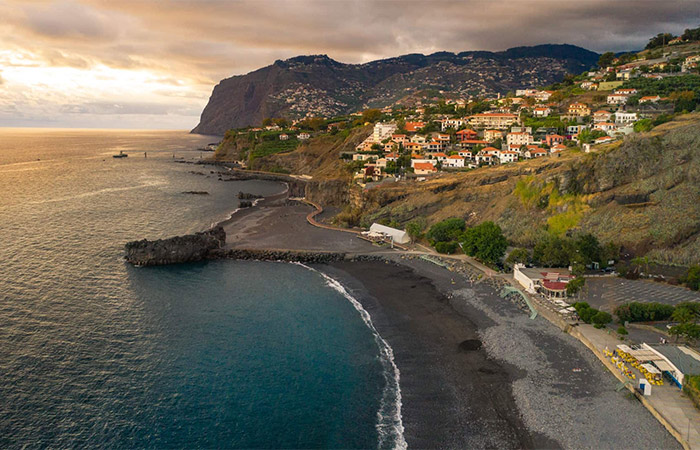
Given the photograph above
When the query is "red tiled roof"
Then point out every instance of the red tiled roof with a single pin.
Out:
(423, 166)
(554, 285)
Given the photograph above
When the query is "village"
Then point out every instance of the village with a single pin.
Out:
(501, 135)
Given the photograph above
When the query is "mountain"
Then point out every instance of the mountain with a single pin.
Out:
(321, 86)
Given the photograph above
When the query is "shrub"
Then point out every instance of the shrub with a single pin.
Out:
(692, 278)
(622, 331)
(518, 255)
(575, 285)
(600, 319)
(415, 227)
(643, 312)
(446, 247)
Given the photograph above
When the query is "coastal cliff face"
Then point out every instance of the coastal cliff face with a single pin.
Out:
(175, 250)
(320, 86)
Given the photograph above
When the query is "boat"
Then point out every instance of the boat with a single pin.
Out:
(120, 155)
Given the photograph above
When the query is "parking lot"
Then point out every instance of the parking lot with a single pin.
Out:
(608, 292)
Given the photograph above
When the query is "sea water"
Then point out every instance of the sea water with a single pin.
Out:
(94, 352)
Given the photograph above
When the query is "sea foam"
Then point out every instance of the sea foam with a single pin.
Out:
(389, 426)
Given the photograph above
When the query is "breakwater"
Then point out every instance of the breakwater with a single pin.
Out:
(209, 245)
(175, 250)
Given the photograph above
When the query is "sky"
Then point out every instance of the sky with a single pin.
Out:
(152, 64)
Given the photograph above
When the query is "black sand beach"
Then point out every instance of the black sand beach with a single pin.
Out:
(476, 372)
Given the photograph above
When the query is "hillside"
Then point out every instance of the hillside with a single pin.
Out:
(317, 85)
(642, 193)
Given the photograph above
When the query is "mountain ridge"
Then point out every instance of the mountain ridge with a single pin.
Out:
(321, 86)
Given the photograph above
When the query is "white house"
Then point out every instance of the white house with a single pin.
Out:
(508, 156)
(622, 117)
(453, 161)
(452, 123)
(605, 126)
(617, 99)
(303, 136)
(541, 111)
(519, 138)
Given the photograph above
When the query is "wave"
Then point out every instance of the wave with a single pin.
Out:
(389, 421)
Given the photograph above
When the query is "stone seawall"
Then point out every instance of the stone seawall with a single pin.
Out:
(175, 250)
(306, 257)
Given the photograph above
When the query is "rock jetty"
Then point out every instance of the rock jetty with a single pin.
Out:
(175, 250)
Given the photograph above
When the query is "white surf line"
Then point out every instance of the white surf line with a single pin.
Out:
(389, 423)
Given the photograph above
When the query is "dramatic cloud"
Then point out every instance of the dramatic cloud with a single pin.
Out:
(66, 62)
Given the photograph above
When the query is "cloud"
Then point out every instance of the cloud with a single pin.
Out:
(189, 45)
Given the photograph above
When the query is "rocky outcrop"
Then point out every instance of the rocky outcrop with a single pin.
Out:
(175, 250)
(319, 86)
(306, 257)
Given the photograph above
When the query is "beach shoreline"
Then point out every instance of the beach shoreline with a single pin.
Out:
(476, 372)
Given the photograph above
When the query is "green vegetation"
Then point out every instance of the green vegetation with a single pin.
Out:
(622, 331)
(687, 314)
(415, 228)
(485, 242)
(574, 286)
(446, 231)
(271, 147)
(683, 90)
(606, 59)
(518, 255)
(643, 312)
(659, 40)
(692, 278)
(591, 315)
(691, 386)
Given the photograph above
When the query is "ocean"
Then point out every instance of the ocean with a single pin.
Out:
(225, 354)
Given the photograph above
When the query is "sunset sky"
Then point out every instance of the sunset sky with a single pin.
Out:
(153, 64)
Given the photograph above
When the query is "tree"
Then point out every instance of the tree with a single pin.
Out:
(485, 242)
(692, 278)
(691, 34)
(553, 251)
(371, 115)
(518, 255)
(600, 319)
(415, 228)
(659, 40)
(447, 230)
(588, 248)
(574, 286)
(606, 59)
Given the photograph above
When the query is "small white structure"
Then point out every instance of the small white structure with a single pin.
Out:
(397, 236)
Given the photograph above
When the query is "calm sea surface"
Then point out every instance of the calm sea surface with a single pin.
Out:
(94, 352)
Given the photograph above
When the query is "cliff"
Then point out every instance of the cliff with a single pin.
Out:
(320, 86)
(179, 249)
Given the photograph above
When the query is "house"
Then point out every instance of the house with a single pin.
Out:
(413, 147)
(418, 138)
(451, 123)
(650, 98)
(392, 157)
(543, 96)
(500, 121)
(589, 85)
(442, 138)
(617, 99)
(626, 91)
(284, 137)
(579, 109)
(453, 161)
(535, 152)
(412, 127)
(519, 138)
(601, 116)
(603, 140)
(488, 155)
(465, 134)
(439, 156)
(553, 139)
(525, 92)
(372, 171)
(608, 127)
(465, 154)
(677, 361)
(492, 135)
(363, 156)
(399, 138)
(471, 143)
(557, 148)
(508, 156)
(303, 136)
(550, 283)
(423, 168)
(433, 146)
(391, 146)
(623, 117)
(541, 111)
